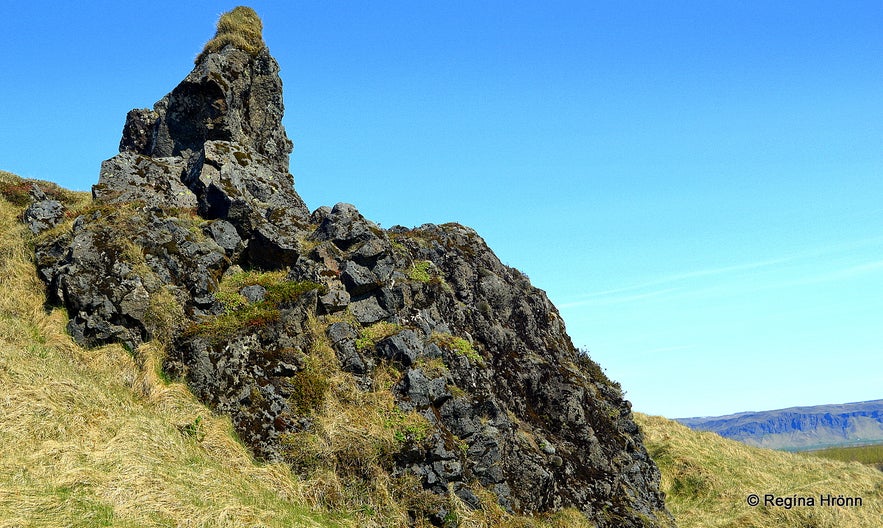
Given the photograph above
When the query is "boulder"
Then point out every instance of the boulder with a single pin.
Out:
(130, 177)
(106, 270)
(43, 213)
(345, 227)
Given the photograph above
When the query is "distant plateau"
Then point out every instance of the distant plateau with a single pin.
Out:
(800, 428)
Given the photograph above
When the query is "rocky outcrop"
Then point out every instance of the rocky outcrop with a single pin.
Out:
(197, 237)
(121, 270)
(216, 144)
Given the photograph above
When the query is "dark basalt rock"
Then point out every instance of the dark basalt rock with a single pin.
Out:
(43, 213)
(154, 181)
(106, 270)
(216, 144)
(250, 376)
(201, 185)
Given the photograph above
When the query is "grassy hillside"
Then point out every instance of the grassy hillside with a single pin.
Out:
(707, 480)
(100, 437)
(867, 454)
(96, 437)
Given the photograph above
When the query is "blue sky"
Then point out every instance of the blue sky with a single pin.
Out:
(697, 185)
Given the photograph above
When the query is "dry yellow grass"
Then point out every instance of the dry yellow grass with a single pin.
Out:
(97, 438)
(707, 480)
(241, 28)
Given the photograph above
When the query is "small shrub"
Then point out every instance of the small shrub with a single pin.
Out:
(302, 450)
(586, 364)
(385, 376)
(432, 367)
(134, 255)
(164, 316)
(407, 427)
(422, 503)
(309, 389)
(16, 192)
(239, 313)
(397, 246)
(236, 281)
(194, 429)
(457, 392)
(289, 291)
(222, 327)
(231, 301)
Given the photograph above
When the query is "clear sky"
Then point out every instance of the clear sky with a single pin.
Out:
(697, 185)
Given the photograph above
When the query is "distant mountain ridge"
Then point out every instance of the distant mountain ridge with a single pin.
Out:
(799, 428)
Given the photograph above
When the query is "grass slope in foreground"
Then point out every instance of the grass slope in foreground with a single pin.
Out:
(93, 438)
(99, 437)
(707, 480)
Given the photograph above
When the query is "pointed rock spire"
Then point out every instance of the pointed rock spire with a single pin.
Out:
(217, 143)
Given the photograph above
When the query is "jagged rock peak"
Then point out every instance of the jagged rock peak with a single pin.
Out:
(216, 144)
(233, 94)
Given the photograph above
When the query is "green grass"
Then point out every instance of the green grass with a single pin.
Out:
(369, 336)
(457, 345)
(424, 271)
(220, 328)
(866, 454)
(707, 480)
(239, 313)
(420, 271)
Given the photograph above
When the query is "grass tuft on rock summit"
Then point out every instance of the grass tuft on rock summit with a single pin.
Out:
(241, 28)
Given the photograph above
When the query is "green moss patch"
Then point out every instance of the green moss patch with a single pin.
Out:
(239, 313)
(407, 427)
(457, 345)
(371, 335)
(420, 271)
(309, 389)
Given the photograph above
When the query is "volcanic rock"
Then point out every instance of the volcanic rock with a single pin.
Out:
(197, 238)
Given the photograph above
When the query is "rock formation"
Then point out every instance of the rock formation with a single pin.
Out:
(197, 238)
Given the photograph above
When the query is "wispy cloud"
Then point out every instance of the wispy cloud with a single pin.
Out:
(616, 298)
(847, 273)
(637, 292)
(662, 350)
(684, 283)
